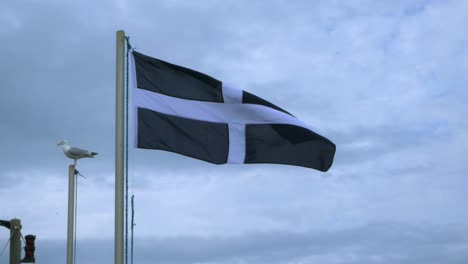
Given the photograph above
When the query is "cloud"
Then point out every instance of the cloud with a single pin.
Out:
(385, 81)
(378, 242)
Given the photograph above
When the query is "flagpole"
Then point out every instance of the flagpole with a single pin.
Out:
(119, 150)
(71, 214)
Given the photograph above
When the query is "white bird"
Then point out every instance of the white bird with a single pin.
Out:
(75, 153)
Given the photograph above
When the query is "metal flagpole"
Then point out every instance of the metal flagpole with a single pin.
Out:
(71, 213)
(132, 225)
(119, 150)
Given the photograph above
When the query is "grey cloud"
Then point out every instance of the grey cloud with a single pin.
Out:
(385, 81)
(375, 243)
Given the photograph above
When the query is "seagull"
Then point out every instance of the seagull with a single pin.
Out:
(75, 153)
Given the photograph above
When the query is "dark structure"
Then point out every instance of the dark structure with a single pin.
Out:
(29, 250)
(5, 223)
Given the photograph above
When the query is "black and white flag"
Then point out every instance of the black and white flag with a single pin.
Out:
(190, 113)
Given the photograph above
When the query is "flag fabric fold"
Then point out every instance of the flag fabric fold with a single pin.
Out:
(190, 113)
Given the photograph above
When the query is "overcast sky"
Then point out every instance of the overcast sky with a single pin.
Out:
(386, 81)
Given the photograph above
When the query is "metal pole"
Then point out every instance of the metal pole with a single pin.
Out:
(15, 242)
(132, 225)
(119, 149)
(71, 214)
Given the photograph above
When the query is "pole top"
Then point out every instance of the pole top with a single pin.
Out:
(15, 224)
